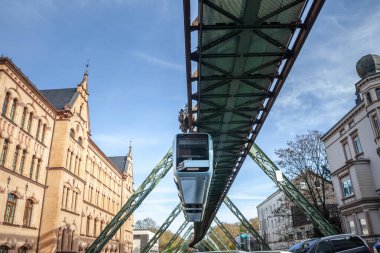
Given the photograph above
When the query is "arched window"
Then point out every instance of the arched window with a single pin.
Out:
(32, 167)
(4, 152)
(23, 117)
(72, 133)
(22, 161)
(28, 212)
(15, 157)
(64, 238)
(22, 249)
(38, 129)
(80, 140)
(43, 133)
(88, 225)
(10, 208)
(13, 110)
(6, 102)
(4, 249)
(38, 169)
(29, 125)
(369, 98)
(95, 227)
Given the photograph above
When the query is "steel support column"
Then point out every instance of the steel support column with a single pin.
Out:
(175, 236)
(246, 224)
(163, 228)
(212, 243)
(176, 249)
(133, 203)
(269, 168)
(228, 234)
(217, 238)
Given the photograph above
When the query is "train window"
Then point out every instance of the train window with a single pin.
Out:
(192, 146)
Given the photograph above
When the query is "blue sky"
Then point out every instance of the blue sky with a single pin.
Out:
(137, 78)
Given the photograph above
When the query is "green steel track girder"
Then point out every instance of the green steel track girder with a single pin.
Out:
(175, 236)
(212, 243)
(133, 203)
(185, 236)
(228, 234)
(163, 228)
(269, 168)
(246, 224)
(217, 238)
(186, 244)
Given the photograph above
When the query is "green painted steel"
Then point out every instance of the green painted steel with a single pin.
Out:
(243, 56)
(228, 234)
(185, 237)
(175, 236)
(217, 238)
(246, 224)
(163, 228)
(211, 243)
(133, 203)
(266, 164)
(185, 241)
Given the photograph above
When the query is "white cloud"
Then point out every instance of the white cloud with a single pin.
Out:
(158, 61)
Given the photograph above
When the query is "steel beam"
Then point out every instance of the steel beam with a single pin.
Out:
(133, 203)
(212, 243)
(269, 168)
(225, 231)
(246, 224)
(175, 236)
(163, 228)
(176, 248)
(217, 238)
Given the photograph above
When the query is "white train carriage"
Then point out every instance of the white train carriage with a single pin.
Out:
(192, 168)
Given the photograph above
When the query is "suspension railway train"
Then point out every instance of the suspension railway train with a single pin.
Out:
(193, 169)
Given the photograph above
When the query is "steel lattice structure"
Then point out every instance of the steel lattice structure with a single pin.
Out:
(228, 234)
(269, 167)
(175, 236)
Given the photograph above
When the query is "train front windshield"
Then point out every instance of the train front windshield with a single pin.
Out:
(194, 147)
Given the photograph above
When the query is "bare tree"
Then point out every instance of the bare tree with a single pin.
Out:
(147, 223)
(305, 163)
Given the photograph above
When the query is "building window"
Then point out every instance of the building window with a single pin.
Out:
(347, 187)
(347, 152)
(28, 212)
(88, 226)
(4, 249)
(376, 125)
(43, 133)
(299, 235)
(13, 110)
(15, 157)
(29, 125)
(23, 117)
(357, 145)
(378, 93)
(38, 129)
(72, 133)
(4, 152)
(5, 104)
(80, 140)
(352, 227)
(32, 167)
(303, 186)
(22, 161)
(369, 98)
(22, 249)
(38, 169)
(364, 226)
(95, 227)
(10, 208)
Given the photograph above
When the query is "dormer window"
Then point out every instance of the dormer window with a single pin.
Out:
(369, 98)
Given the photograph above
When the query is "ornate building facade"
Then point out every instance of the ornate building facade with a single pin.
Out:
(58, 190)
(353, 151)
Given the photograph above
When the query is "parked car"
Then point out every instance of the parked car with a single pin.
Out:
(339, 243)
(376, 246)
(302, 247)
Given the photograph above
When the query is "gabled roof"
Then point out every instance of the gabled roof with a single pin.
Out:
(60, 97)
(119, 162)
